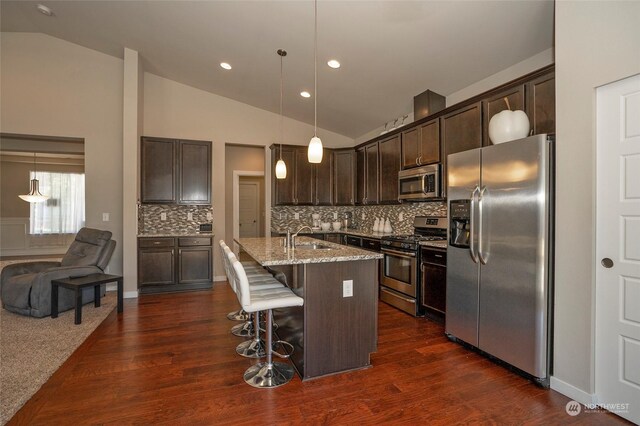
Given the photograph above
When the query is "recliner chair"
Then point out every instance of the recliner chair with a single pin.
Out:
(25, 288)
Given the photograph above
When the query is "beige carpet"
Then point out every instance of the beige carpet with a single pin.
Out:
(32, 349)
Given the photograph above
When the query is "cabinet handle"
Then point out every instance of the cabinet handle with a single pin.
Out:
(156, 242)
(418, 161)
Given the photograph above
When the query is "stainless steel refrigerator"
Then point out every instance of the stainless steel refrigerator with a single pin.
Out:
(499, 254)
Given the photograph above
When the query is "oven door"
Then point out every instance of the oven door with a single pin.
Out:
(399, 271)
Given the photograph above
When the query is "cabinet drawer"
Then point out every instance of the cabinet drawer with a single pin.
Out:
(354, 241)
(434, 256)
(194, 241)
(371, 244)
(155, 242)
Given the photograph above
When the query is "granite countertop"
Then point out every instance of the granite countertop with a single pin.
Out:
(270, 252)
(175, 234)
(356, 232)
(436, 244)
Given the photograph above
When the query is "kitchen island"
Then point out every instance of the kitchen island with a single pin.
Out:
(336, 329)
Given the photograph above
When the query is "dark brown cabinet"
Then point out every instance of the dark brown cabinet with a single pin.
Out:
(461, 131)
(158, 171)
(389, 168)
(541, 100)
(174, 264)
(343, 177)
(195, 172)
(367, 174)
(175, 171)
(283, 189)
(421, 145)
(306, 183)
(498, 102)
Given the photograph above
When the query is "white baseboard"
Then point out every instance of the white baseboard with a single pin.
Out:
(572, 392)
(220, 278)
(131, 294)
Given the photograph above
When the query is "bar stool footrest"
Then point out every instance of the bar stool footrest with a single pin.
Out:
(284, 345)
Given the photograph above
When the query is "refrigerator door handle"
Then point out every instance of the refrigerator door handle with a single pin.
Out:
(484, 256)
(472, 228)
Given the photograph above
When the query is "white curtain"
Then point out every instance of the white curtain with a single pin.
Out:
(63, 212)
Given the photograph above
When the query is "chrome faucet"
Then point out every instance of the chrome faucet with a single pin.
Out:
(292, 241)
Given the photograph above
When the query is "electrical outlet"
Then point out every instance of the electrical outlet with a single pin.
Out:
(209, 216)
(296, 215)
(362, 216)
(335, 215)
(105, 217)
(189, 216)
(347, 288)
(163, 216)
(401, 216)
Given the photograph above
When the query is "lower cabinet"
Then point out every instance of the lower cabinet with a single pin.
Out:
(174, 264)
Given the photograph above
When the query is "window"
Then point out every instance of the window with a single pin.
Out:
(63, 212)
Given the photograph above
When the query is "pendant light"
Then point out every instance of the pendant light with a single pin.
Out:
(314, 152)
(281, 168)
(34, 195)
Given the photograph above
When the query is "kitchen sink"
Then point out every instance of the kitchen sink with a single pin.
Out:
(312, 246)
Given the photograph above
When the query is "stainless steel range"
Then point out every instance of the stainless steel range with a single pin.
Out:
(400, 276)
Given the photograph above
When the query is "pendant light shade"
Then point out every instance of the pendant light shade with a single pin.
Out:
(34, 195)
(281, 167)
(314, 152)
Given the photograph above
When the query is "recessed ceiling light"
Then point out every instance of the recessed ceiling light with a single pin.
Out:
(305, 94)
(225, 65)
(334, 64)
(44, 10)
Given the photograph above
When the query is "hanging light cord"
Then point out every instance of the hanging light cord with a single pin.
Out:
(315, 68)
(281, 119)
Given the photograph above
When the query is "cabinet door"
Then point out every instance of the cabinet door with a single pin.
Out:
(361, 178)
(389, 168)
(410, 149)
(283, 189)
(372, 173)
(334, 238)
(461, 131)
(303, 173)
(497, 103)
(429, 148)
(158, 171)
(323, 180)
(343, 177)
(541, 97)
(195, 172)
(155, 266)
(194, 265)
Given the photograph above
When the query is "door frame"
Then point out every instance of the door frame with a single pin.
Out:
(236, 199)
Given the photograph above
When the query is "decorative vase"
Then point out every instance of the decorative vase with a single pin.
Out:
(508, 125)
(387, 226)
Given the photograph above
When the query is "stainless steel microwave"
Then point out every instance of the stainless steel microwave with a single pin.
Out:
(419, 184)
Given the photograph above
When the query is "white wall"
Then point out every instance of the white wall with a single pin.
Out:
(175, 110)
(531, 64)
(56, 88)
(596, 43)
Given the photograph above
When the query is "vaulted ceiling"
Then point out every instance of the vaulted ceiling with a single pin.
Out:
(389, 50)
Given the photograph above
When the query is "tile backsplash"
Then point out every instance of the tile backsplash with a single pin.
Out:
(283, 217)
(150, 218)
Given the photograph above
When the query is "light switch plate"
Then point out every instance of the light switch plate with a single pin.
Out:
(105, 217)
(163, 216)
(362, 216)
(296, 215)
(335, 215)
(209, 216)
(347, 288)
(400, 216)
(189, 216)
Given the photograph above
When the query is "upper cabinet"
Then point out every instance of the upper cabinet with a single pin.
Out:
(175, 171)
(306, 184)
(389, 168)
(367, 174)
(462, 129)
(541, 103)
(421, 145)
(343, 177)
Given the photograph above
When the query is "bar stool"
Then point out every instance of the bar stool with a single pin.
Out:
(268, 374)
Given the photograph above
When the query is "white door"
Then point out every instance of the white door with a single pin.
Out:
(249, 209)
(618, 248)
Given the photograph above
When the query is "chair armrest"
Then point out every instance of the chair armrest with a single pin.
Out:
(26, 268)
(41, 286)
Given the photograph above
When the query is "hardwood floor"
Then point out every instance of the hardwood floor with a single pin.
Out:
(170, 359)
